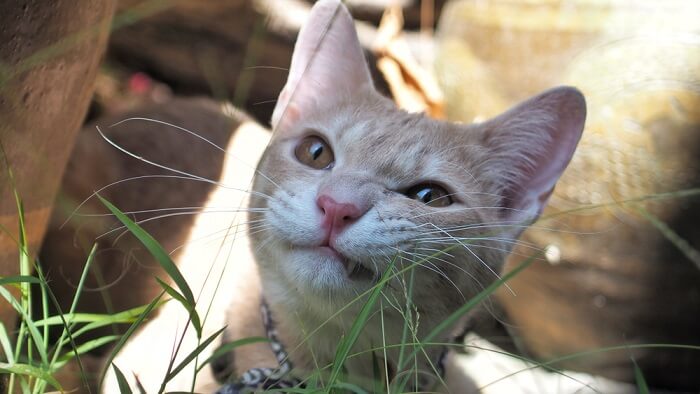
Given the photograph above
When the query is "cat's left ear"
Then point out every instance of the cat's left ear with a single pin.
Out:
(529, 147)
(327, 61)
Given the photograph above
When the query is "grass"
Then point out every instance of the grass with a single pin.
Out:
(32, 362)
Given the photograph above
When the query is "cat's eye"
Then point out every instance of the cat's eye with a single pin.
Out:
(314, 152)
(430, 194)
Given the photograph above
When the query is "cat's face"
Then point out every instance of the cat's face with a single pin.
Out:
(350, 184)
(361, 182)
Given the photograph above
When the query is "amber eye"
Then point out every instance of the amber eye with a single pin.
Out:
(430, 194)
(314, 152)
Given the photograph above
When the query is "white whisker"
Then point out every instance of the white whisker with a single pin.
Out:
(122, 181)
(425, 259)
(163, 167)
(173, 214)
(477, 257)
(213, 235)
(191, 210)
(196, 136)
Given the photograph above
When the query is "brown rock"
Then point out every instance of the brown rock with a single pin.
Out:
(50, 53)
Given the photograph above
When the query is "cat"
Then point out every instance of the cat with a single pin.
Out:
(349, 190)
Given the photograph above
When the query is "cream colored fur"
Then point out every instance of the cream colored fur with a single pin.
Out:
(217, 254)
(499, 174)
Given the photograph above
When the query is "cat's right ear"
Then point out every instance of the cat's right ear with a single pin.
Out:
(327, 61)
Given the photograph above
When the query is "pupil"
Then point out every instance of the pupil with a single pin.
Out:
(426, 195)
(316, 150)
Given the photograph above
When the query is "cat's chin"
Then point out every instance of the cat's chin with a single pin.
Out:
(353, 269)
(324, 268)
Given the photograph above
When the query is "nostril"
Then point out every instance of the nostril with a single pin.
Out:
(348, 213)
(322, 202)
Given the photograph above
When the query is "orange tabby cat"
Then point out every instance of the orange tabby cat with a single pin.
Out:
(348, 188)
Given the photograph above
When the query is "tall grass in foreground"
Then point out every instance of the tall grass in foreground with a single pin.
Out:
(327, 378)
(32, 362)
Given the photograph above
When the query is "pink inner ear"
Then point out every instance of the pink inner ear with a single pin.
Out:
(328, 61)
(534, 143)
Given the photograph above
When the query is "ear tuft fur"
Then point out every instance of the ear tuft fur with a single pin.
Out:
(530, 145)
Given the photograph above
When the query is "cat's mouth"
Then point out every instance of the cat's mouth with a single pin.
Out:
(353, 269)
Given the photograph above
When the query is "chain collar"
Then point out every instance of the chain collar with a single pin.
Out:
(265, 378)
(277, 378)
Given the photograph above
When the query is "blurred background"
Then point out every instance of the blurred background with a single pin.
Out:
(620, 284)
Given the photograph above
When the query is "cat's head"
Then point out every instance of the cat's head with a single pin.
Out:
(350, 183)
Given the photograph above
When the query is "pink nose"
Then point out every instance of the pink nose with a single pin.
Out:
(337, 216)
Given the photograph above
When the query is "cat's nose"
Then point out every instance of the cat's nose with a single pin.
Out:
(337, 215)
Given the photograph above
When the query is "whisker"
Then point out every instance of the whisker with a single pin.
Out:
(505, 250)
(158, 217)
(523, 226)
(265, 242)
(212, 235)
(264, 102)
(192, 133)
(163, 167)
(266, 68)
(118, 147)
(447, 210)
(477, 257)
(122, 181)
(502, 240)
(194, 209)
(422, 263)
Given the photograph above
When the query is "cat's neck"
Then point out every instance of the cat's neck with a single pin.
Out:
(311, 331)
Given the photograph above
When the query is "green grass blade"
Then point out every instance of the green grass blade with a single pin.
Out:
(155, 250)
(83, 277)
(456, 315)
(25, 269)
(67, 323)
(22, 383)
(357, 326)
(377, 372)
(229, 346)
(86, 347)
(6, 344)
(121, 380)
(66, 331)
(349, 387)
(80, 318)
(408, 315)
(134, 326)
(191, 356)
(27, 320)
(128, 316)
(44, 289)
(28, 370)
(196, 322)
(684, 246)
(8, 280)
(548, 365)
(642, 386)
